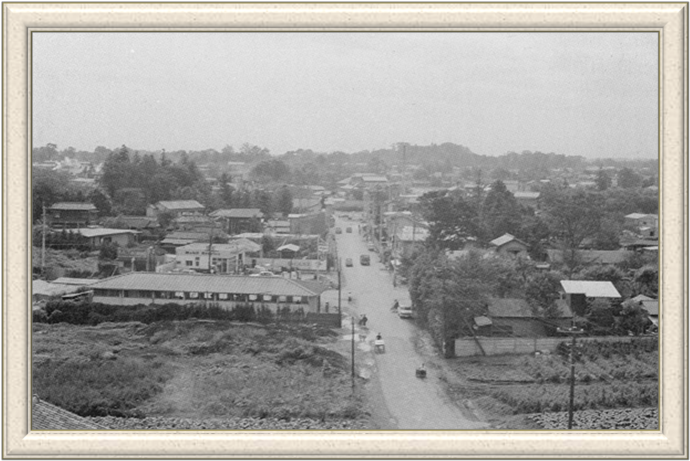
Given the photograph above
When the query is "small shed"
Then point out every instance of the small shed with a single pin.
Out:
(577, 292)
(508, 244)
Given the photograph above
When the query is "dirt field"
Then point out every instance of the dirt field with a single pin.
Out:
(196, 370)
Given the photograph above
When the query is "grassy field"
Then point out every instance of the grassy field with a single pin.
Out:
(193, 369)
(607, 377)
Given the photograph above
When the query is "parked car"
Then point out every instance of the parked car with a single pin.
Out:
(370, 247)
(338, 230)
(364, 260)
(405, 312)
(348, 230)
(264, 274)
(348, 262)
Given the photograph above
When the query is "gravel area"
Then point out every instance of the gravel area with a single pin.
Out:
(631, 418)
(150, 423)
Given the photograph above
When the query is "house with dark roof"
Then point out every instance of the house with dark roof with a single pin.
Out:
(175, 207)
(239, 220)
(48, 417)
(509, 245)
(528, 199)
(139, 223)
(606, 257)
(514, 317)
(226, 291)
(67, 215)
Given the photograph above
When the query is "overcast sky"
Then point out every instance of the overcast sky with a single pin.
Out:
(589, 94)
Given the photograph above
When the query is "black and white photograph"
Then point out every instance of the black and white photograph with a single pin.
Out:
(375, 231)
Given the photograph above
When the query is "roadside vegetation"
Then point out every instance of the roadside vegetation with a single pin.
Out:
(195, 369)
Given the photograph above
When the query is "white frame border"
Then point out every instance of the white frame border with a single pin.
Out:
(668, 19)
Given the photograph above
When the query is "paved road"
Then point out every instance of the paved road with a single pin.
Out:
(412, 403)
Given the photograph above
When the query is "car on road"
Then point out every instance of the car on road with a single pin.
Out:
(264, 274)
(370, 247)
(364, 260)
(348, 230)
(338, 230)
(348, 262)
(405, 312)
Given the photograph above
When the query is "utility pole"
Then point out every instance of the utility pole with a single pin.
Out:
(43, 243)
(353, 353)
(340, 312)
(573, 332)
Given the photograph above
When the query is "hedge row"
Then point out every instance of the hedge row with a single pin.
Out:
(90, 313)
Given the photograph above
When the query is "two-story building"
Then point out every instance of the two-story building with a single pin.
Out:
(221, 258)
(175, 207)
(68, 215)
(239, 220)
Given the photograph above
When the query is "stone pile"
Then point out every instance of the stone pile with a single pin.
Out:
(152, 423)
(624, 419)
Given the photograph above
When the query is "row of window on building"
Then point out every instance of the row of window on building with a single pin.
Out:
(195, 295)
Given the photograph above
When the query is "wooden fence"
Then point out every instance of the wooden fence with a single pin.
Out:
(466, 347)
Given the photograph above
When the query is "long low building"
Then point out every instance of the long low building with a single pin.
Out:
(224, 290)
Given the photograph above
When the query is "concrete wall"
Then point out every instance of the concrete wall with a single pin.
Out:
(466, 347)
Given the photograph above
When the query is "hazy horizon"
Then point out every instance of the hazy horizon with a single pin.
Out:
(589, 94)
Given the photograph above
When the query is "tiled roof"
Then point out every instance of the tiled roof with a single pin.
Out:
(77, 206)
(181, 205)
(238, 213)
(48, 417)
(205, 284)
(591, 289)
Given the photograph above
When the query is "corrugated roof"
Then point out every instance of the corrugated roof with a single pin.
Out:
(505, 238)
(238, 245)
(43, 288)
(79, 206)
(238, 284)
(640, 298)
(171, 241)
(526, 195)
(103, 231)
(238, 213)
(591, 289)
(651, 306)
(636, 215)
(482, 321)
(181, 204)
(74, 281)
(48, 417)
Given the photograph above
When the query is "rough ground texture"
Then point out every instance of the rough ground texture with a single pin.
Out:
(623, 419)
(225, 424)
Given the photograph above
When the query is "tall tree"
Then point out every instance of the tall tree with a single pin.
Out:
(501, 212)
(452, 220)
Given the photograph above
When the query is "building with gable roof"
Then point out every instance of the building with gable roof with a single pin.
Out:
(508, 244)
(226, 291)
